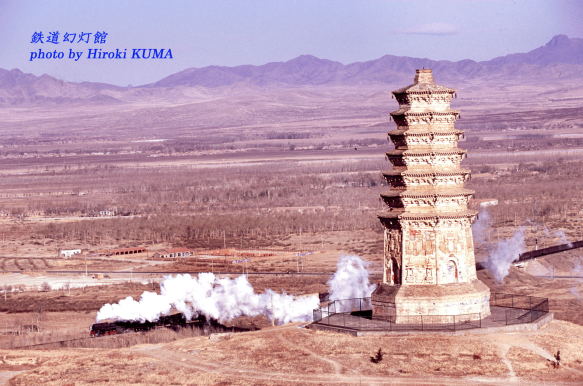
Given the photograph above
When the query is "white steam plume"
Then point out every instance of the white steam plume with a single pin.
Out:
(504, 253)
(559, 234)
(350, 281)
(481, 227)
(224, 299)
(221, 299)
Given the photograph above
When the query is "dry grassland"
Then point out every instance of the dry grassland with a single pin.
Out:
(288, 354)
(292, 170)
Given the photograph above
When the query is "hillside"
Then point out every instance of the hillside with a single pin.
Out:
(560, 59)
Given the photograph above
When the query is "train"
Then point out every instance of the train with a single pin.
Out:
(534, 254)
(549, 250)
(174, 322)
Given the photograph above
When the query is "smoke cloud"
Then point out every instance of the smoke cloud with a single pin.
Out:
(504, 253)
(481, 228)
(222, 299)
(559, 234)
(350, 281)
(225, 299)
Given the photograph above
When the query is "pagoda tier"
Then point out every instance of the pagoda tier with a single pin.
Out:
(423, 178)
(443, 200)
(444, 157)
(428, 237)
(403, 138)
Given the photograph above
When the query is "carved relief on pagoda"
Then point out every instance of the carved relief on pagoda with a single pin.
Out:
(416, 224)
(419, 255)
(442, 160)
(429, 139)
(450, 272)
(435, 128)
(423, 103)
(459, 224)
(424, 202)
(452, 254)
(470, 240)
(448, 180)
(428, 119)
(420, 242)
(419, 273)
(435, 140)
(451, 242)
(424, 99)
(452, 203)
(392, 256)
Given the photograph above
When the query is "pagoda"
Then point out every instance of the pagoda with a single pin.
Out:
(429, 266)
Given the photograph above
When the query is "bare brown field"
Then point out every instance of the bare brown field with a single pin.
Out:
(295, 171)
(302, 356)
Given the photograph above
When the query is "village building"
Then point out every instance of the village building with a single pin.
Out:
(123, 251)
(174, 253)
(66, 253)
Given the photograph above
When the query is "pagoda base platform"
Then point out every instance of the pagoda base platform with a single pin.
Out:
(431, 303)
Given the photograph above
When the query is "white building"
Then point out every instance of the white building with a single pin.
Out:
(69, 252)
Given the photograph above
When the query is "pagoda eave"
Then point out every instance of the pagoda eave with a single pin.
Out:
(408, 113)
(419, 193)
(425, 152)
(401, 214)
(414, 133)
(425, 173)
(421, 88)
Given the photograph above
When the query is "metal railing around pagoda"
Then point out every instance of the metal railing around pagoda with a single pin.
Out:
(519, 308)
(356, 314)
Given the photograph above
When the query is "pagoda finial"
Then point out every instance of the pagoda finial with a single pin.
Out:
(424, 76)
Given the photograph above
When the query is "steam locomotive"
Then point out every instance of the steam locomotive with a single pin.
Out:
(174, 322)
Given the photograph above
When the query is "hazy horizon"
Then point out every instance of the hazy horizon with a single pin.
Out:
(227, 33)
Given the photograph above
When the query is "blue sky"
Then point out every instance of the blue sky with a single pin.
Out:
(202, 33)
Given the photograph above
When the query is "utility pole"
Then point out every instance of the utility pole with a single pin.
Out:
(272, 318)
(300, 239)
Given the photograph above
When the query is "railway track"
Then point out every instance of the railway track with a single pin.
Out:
(75, 272)
(549, 251)
(66, 342)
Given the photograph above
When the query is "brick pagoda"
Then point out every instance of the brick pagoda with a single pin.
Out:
(429, 266)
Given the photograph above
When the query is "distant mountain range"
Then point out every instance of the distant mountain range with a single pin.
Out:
(561, 57)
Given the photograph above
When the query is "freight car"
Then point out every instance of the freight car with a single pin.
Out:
(174, 322)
